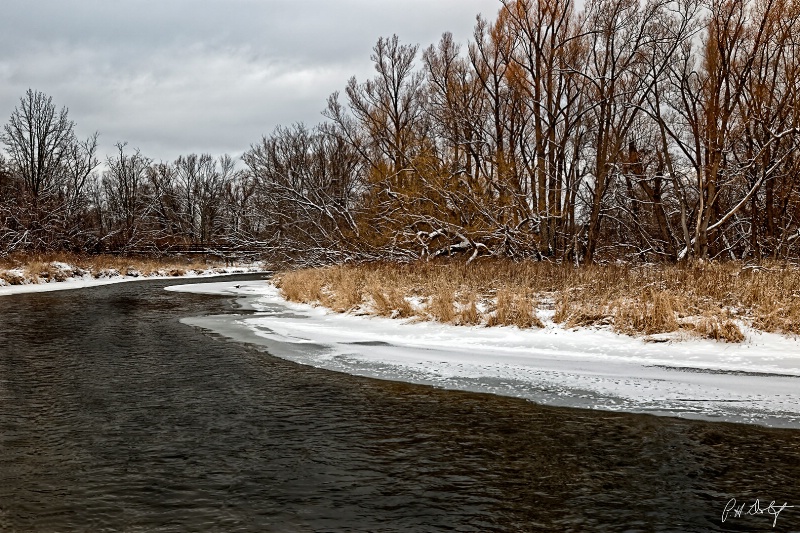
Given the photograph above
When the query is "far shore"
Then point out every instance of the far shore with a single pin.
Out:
(53, 272)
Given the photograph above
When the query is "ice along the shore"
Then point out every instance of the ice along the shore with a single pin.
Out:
(757, 381)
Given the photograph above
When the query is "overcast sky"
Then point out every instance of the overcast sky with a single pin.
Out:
(178, 76)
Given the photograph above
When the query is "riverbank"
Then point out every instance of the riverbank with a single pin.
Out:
(756, 381)
(24, 273)
(720, 301)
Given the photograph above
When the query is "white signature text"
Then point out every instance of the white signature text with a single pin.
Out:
(734, 509)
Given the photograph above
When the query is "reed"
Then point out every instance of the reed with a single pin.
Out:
(514, 309)
(468, 314)
(441, 306)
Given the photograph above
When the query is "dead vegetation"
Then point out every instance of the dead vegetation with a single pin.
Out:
(514, 309)
(710, 300)
(20, 268)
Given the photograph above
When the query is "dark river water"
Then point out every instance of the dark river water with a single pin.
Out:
(114, 416)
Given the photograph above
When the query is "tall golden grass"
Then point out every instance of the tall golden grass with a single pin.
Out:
(513, 308)
(706, 299)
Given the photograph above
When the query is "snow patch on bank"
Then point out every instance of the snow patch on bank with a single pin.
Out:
(757, 381)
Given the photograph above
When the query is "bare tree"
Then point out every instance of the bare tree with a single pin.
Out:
(307, 187)
(127, 198)
(42, 145)
(388, 107)
(51, 168)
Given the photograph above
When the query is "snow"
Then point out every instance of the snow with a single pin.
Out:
(757, 381)
(109, 277)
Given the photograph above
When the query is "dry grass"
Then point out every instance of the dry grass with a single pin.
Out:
(719, 328)
(654, 312)
(579, 313)
(302, 286)
(468, 314)
(43, 272)
(514, 309)
(344, 293)
(391, 303)
(447, 290)
(704, 299)
(441, 305)
(12, 278)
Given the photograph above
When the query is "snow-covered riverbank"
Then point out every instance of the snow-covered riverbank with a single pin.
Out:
(77, 280)
(757, 381)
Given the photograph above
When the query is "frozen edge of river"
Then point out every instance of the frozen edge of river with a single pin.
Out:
(757, 381)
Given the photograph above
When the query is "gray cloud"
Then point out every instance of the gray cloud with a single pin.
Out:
(179, 76)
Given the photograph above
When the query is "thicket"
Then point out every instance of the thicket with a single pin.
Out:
(653, 130)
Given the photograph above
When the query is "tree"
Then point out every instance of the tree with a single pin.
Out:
(307, 184)
(127, 202)
(201, 181)
(388, 107)
(50, 168)
(548, 56)
(42, 145)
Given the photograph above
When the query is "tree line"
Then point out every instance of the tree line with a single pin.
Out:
(646, 130)
(54, 197)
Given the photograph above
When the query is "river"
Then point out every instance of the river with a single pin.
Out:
(115, 416)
